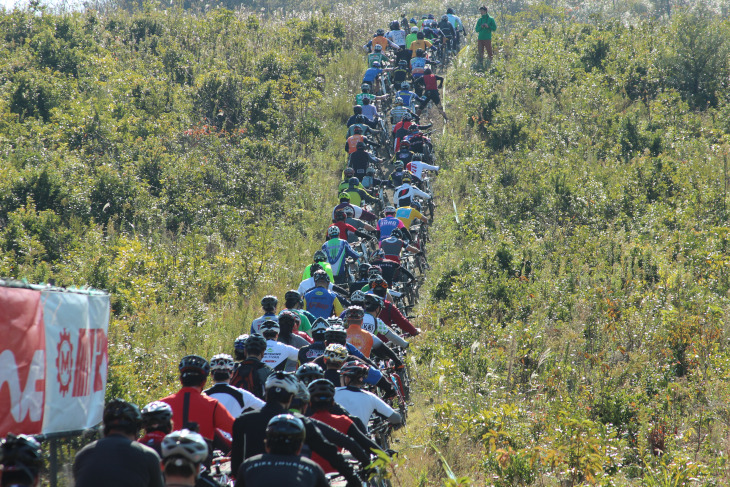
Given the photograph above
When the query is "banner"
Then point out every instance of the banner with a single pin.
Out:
(53, 359)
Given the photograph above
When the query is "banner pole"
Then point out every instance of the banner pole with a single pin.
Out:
(53, 474)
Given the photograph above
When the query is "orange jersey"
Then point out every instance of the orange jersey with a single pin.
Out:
(380, 41)
(360, 339)
(189, 405)
(420, 44)
(352, 142)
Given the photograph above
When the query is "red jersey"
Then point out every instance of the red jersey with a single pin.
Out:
(430, 82)
(344, 228)
(189, 405)
(341, 424)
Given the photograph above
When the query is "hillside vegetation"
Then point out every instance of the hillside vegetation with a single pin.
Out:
(580, 293)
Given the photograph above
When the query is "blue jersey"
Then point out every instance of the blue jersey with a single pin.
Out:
(408, 97)
(320, 302)
(371, 74)
(386, 226)
(418, 65)
(337, 251)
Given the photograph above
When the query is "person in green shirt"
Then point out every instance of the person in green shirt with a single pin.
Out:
(485, 26)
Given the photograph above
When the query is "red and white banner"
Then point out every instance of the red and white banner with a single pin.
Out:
(53, 360)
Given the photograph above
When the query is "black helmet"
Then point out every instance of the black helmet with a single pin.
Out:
(373, 302)
(22, 456)
(321, 390)
(335, 334)
(269, 302)
(287, 318)
(365, 87)
(321, 276)
(123, 414)
(269, 328)
(416, 205)
(363, 268)
(284, 434)
(394, 25)
(309, 372)
(292, 294)
(340, 215)
(194, 364)
(354, 369)
(450, 11)
(357, 297)
(156, 413)
(348, 172)
(357, 109)
(420, 53)
(256, 344)
(396, 232)
(380, 32)
(360, 145)
(357, 130)
(402, 63)
(420, 35)
(320, 256)
(354, 181)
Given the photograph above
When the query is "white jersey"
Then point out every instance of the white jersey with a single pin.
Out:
(417, 168)
(406, 191)
(397, 37)
(361, 404)
(307, 285)
(256, 325)
(455, 22)
(369, 111)
(374, 325)
(234, 399)
(277, 353)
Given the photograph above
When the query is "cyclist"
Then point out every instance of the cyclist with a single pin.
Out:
(408, 214)
(377, 55)
(337, 250)
(410, 38)
(399, 111)
(308, 284)
(309, 372)
(373, 305)
(404, 154)
(157, 423)
(418, 66)
(239, 350)
(392, 271)
(417, 167)
(359, 212)
(117, 457)
(363, 340)
(403, 194)
(420, 43)
(379, 39)
(251, 374)
(289, 330)
(409, 97)
(278, 356)
(21, 460)
(234, 399)
(358, 196)
(401, 73)
(373, 74)
(190, 405)
(319, 258)
(361, 126)
(322, 401)
(340, 221)
(392, 316)
(293, 303)
(316, 348)
(183, 454)
(282, 463)
(360, 160)
(432, 83)
(449, 32)
(358, 118)
(457, 25)
(394, 244)
(354, 222)
(320, 301)
(366, 89)
(397, 35)
(347, 173)
(374, 281)
(388, 223)
(268, 304)
(249, 429)
(370, 111)
(358, 402)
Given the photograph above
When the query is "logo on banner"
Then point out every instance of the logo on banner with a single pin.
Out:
(64, 362)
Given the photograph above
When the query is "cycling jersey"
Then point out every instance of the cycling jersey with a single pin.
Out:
(420, 44)
(308, 284)
(369, 112)
(418, 65)
(153, 439)
(360, 96)
(447, 29)
(346, 184)
(377, 57)
(337, 250)
(304, 324)
(117, 461)
(417, 168)
(397, 37)
(403, 195)
(325, 266)
(407, 215)
(357, 196)
(392, 247)
(359, 162)
(410, 38)
(346, 426)
(277, 354)
(361, 339)
(352, 142)
(362, 403)
(366, 129)
(261, 319)
(405, 156)
(374, 325)
(234, 399)
(430, 81)
(387, 224)
(455, 22)
(266, 469)
(251, 375)
(381, 41)
(344, 228)
(322, 303)
(190, 405)
(392, 316)
(359, 212)
(371, 74)
(311, 352)
(409, 98)
(397, 114)
(399, 75)
(391, 270)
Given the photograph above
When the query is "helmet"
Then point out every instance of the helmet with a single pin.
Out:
(355, 312)
(321, 390)
(354, 369)
(349, 211)
(156, 412)
(123, 414)
(21, 454)
(407, 117)
(376, 64)
(450, 11)
(361, 144)
(399, 164)
(357, 129)
(397, 233)
(420, 53)
(377, 281)
(357, 109)
(333, 231)
(373, 302)
(287, 317)
(354, 181)
(240, 343)
(319, 326)
(344, 196)
(187, 444)
(269, 301)
(362, 268)
(335, 353)
(405, 86)
(404, 144)
(302, 393)
(378, 48)
(319, 256)
(380, 32)
(194, 364)
(285, 430)
(420, 35)
(348, 172)
(389, 209)
(321, 275)
(406, 176)
(285, 381)
(394, 25)
(357, 297)
(256, 344)
(293, 295)
(365, 87)
(334, 321)
(335, 334)
(398, 101)
(340, 215)
(402, 63)
(221, 363)
(269, 325)
(445, 17)
(370, 171)
(416, 205)
(431, 17)
(414, 29)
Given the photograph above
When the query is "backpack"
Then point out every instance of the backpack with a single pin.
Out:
(246, 377)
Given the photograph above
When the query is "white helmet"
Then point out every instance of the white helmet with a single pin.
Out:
(333, 231)
(414, 29)
(187, 444)
(283, 380)
(221, 363)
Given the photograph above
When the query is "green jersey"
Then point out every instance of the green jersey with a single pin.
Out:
(379, 57)
(360, 96)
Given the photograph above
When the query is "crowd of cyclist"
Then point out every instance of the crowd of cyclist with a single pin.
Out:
(324, 370)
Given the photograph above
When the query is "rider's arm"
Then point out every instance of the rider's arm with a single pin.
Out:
(328, 451)
(412, 248)
(344, 441)
(395, 317)
(394, 337)
(364, 235)
(337, 307)
(362, 439)
(420, 193)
